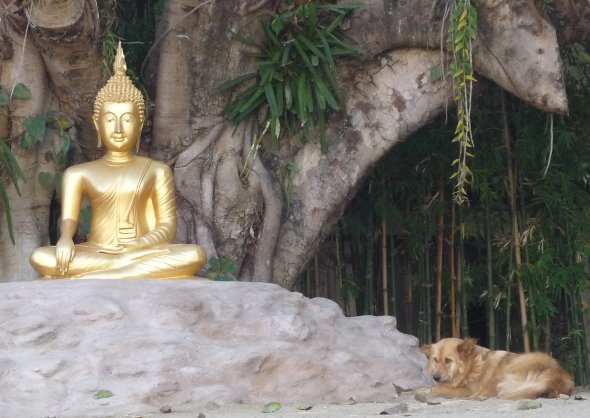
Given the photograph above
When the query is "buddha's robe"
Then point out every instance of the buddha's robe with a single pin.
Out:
(130, 201)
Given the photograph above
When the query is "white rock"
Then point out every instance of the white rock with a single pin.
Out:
(173, 342)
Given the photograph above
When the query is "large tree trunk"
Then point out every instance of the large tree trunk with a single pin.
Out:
(54, 52)
(388, 96)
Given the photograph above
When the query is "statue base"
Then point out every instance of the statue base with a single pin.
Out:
(101, 347)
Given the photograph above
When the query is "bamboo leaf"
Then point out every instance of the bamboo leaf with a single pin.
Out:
(279, 94)
(304, 56)
(301, 101)
(234, 82)
(6, 204)
(326, 48)
(271, 99)
(326, 93)
(309, 45)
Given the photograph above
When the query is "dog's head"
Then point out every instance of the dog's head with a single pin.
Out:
(449, 360)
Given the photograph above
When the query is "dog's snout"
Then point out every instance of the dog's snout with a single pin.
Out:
(436, 377)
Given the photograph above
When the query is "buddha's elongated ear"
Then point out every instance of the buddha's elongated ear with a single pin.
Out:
(99, 144)
(139, 138)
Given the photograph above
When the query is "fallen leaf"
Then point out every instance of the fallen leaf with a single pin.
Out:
(524, 405)
(272, 407)
(104, 393)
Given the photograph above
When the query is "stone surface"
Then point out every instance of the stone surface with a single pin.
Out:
(157, 343)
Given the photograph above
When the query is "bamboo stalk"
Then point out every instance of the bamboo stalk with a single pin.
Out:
(392, 273)
(461, 264)
(515, 228)
(316, 275)
(490, 271)
(384, 267)
(369, 269)
(439, 260)
(454, 317)
(427, 284)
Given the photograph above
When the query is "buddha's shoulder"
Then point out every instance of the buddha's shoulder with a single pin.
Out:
(81, 168)
(154, 164)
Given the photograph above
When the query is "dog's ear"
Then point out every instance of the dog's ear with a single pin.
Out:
(467, 348)
(426, 350)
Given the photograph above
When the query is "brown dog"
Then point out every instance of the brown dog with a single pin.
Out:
(461, 368)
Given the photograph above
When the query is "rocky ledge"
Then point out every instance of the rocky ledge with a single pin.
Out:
(72, 348)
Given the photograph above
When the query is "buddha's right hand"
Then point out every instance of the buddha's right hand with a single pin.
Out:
(64, 254)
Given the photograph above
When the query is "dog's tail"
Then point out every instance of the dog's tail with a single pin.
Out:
(548, 383)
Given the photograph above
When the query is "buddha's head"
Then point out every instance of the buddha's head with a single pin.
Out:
(119, 107)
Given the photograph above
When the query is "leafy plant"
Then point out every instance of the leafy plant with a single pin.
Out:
(463, 31)
(221, 269)
(9, 166)
(295, 78)
(34, 133)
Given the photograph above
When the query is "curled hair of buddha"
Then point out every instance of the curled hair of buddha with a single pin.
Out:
(119, 89)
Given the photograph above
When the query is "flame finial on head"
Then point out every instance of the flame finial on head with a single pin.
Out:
(119, 89)
(119, 65)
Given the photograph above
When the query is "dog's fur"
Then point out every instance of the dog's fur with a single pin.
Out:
(461, 368)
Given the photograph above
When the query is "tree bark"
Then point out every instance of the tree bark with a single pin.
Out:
(389, 95)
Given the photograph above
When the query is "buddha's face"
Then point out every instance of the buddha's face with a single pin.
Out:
(119, 126)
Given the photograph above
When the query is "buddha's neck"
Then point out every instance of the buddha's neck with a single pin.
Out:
(118, 158)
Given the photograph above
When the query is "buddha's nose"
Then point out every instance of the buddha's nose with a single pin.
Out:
(436, 377)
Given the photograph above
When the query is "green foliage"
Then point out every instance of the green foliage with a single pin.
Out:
(221, 269)
(295, 78)
(35, 129)
(9, 166)
(463, 31)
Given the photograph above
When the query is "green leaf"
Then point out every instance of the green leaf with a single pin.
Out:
(301, 101)
(286, 54)
(46, 180)
(10, 165)
(335, 23)
(308, 96)
(279, 94)
(309, 45)
(104, 393)
(272, 407)
(4, 97)
(277, 25)
(326, 93)
(344, 8)
(326, 48)
(436, 73)
(304, 56)
(271, 99)
(6, 204)
(275, 127)
(234, 82)
(21, 92)
(34, 131)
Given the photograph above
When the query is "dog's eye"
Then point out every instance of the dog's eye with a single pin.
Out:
(448, 360)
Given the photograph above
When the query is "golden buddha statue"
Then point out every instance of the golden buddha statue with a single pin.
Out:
(132, 199)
